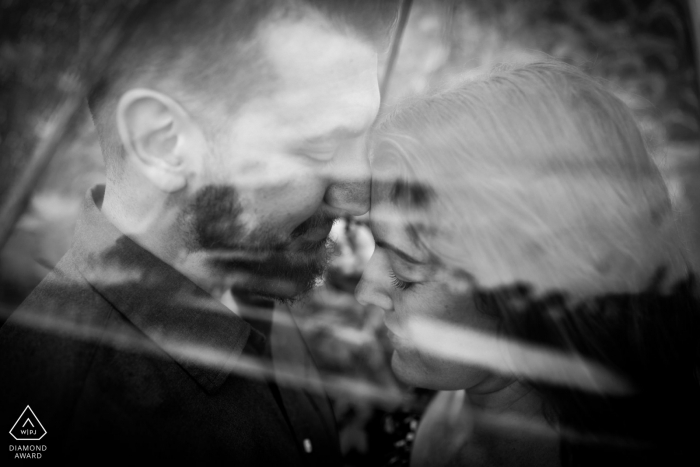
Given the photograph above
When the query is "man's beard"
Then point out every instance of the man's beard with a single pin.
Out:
(275, 265)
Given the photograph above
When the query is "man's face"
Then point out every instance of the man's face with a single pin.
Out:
(290, 162)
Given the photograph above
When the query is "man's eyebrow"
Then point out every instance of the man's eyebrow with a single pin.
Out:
(338, 133)
(406, 257)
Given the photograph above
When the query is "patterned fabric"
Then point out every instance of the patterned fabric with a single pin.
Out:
(401, 427)
(391, 434)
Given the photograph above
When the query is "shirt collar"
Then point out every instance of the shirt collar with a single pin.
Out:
(197, 331)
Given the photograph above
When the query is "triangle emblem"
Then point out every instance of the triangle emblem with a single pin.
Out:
(27, 427)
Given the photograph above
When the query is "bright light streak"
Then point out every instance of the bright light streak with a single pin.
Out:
(537, 363)
(220, 359)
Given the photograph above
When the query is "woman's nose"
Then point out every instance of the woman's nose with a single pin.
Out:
(370, 290)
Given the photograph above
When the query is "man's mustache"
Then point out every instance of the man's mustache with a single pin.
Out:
(243, 252)
(318, 220)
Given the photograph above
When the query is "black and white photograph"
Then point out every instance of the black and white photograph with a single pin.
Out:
(352, 233)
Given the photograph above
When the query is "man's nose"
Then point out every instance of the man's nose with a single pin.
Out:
(349, 182)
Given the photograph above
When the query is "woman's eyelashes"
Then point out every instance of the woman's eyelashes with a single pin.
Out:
(398, 283)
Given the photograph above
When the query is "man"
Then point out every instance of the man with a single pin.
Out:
(233, 134)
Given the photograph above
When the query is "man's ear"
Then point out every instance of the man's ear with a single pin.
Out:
(160, 137)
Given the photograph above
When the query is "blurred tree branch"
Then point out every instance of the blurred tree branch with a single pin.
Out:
(45, 79)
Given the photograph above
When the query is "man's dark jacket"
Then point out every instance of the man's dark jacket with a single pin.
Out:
(121, 357)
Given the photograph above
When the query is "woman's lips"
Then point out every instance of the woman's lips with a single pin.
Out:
(399, 343)
(393, 325)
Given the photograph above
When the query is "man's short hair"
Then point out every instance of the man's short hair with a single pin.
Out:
(206, 53)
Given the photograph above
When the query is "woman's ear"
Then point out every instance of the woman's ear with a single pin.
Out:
(159, 137)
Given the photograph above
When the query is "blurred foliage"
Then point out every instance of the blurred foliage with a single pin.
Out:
(644, 47)
(38, 44)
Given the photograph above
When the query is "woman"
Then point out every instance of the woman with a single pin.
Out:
(523, 211)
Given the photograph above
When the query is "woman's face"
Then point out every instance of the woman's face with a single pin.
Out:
(402, 280)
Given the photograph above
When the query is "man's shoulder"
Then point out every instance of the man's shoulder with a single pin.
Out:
(48, 343)
(56, 326)
(64, 294)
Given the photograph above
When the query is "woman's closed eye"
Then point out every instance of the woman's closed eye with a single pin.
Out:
(398, 283)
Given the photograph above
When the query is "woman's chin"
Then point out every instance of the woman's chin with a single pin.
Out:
(404, 371)
(421, 371)
(411, 370)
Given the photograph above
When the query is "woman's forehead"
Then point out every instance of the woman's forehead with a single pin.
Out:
(387, 222)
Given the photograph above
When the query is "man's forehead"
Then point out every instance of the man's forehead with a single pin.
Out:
(329, 76)
(311, 44)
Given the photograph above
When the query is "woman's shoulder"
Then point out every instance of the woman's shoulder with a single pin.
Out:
(444, 430)
(452, 433)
